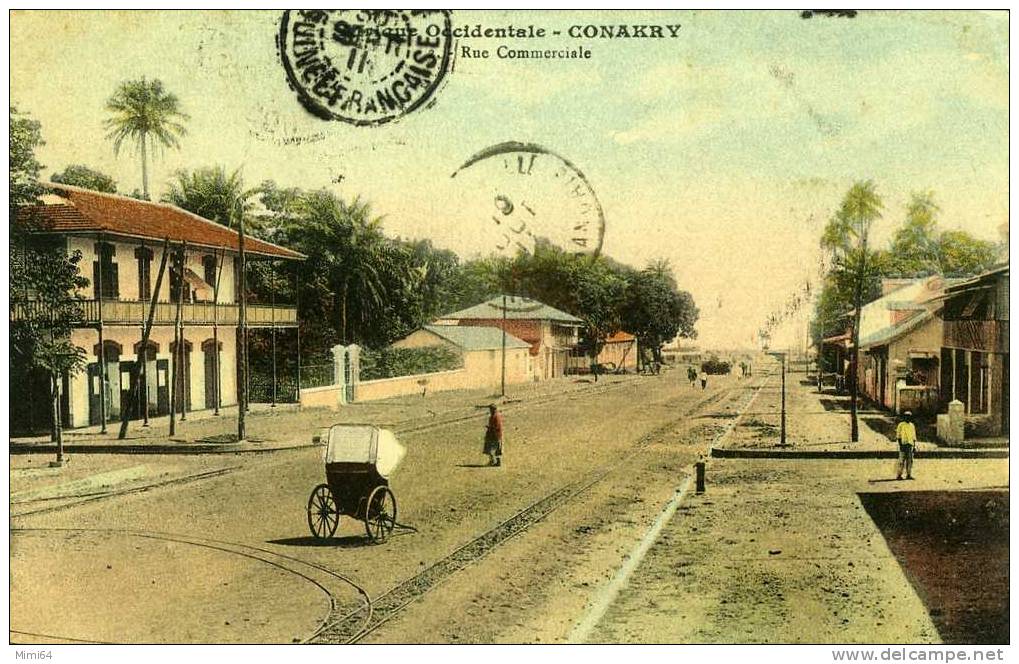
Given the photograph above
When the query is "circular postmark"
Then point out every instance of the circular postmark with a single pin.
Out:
(365, 67)
(529, 193)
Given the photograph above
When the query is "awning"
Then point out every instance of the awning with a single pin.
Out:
(197, 284)
(192, 278)
(839, 339)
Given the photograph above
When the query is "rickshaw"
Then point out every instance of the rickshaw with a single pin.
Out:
(359, 458)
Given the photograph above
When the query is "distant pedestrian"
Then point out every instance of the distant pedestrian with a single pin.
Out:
(743, 369)
(905, 433)
(691, 375)
(493, 436)
(704, 379)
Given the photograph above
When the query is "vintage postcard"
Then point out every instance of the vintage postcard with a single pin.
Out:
(379, 326)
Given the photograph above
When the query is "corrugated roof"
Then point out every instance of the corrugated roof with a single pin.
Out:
(77, 210)
(517, 308)
(963, 284)
(471, 337)
(887, 334)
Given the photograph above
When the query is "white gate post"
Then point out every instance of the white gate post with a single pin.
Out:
(339, 366)
(354, 353)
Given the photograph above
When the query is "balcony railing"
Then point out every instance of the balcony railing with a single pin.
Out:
(126, 312)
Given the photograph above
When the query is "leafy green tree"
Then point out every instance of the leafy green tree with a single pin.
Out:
(147, 115)
(356, 285)
(79, 175)
(43, 278)
(846, 237)
(25, 137)
(961, 254)
(655, 310)
(914, 248)
(919, 249)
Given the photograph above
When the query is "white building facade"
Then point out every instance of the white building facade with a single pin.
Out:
(122, 242)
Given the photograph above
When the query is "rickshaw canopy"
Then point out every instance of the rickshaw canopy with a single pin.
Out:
(364, 443)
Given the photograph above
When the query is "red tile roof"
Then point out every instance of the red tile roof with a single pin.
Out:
(84, 211)
(620, 336)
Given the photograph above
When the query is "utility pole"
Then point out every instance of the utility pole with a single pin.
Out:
(102, 341)
(503, 391)
(125, 410)
(177, 354)
(242, 335)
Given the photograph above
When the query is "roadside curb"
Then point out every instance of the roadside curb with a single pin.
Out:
(745, 453)
(152, 449)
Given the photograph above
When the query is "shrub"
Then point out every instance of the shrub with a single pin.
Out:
(715, 366)
(393, 362)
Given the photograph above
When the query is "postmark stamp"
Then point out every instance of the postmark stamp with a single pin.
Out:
(365, 67)
(532, 194)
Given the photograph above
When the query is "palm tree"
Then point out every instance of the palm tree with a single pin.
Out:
(847, 236)
(145, 114)
(347, 241)
(212, 193)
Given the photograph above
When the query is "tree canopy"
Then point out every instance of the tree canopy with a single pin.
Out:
(43, 278)
(918, 248)
(79, 175)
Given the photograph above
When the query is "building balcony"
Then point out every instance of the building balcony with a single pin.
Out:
(989, 336)
(126, 312)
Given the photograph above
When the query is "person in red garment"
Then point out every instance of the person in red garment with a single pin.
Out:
(493, 436)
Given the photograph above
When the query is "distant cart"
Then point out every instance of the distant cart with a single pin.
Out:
(359, 459)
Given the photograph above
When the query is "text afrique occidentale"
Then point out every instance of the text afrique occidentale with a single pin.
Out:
(478, 31)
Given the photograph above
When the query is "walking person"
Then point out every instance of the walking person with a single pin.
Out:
(493, 436)
(704, 379)
(905, 433)
(691, 375)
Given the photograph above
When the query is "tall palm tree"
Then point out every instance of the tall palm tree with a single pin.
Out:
(847, 236)
(145, 114)
(347, 241)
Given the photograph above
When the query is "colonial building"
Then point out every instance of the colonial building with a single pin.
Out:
(974, 350)
(122, 242)
(551, 333)
(885, 355)
(900, 343)
(618, 353)
(481, 352)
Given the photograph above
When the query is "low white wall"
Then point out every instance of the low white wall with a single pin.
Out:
(384, 388)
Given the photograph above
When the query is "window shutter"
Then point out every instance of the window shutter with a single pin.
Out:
(114, 288)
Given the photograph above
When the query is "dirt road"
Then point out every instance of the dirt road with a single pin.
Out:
(594, 467)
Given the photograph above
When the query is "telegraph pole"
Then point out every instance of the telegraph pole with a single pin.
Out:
(503, 391)
(242, 336)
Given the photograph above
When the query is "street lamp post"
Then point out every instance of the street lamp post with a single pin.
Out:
(782, 440)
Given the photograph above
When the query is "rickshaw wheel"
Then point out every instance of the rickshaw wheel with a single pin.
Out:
(380, 516)
(323, 514)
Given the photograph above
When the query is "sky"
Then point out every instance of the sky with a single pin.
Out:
(723, 150)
